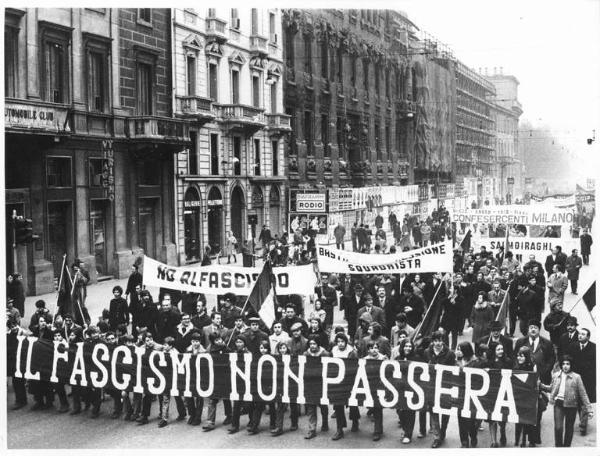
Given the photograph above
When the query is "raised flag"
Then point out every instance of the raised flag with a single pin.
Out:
(262, 297)
(65, 290)
(465, 244)
(589, 298)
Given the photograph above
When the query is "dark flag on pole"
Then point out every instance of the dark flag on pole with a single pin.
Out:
(465, 244)
(589, 298)
(262, 297)
(65, 290)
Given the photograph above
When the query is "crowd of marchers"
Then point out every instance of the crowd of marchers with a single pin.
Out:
(413, 317)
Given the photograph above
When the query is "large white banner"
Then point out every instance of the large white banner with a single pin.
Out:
(538, 246)
(219, 279)
(515, 215)
(435, 258)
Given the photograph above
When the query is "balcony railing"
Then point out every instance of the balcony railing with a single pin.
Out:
(279, 121)
(194, 105)
(150, 127)
(241, 114)
(259, 44)
(215, 28)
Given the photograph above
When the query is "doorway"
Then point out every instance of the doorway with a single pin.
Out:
(237, 213)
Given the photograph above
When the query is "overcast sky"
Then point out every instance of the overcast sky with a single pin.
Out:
(553, 48)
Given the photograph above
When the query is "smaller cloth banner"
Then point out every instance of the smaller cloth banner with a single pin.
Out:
(434, 258)
(516, 214)
(216, 279)
(526, 245)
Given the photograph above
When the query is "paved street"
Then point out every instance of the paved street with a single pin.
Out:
(83, 432)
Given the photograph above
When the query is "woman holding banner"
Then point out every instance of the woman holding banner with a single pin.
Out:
(407, 417)
(467, 427)
(498, 360)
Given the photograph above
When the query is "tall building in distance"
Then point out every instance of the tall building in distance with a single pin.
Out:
(475, 133)
(228, 84)
(89, 139)
(348, 91)
(509, 165)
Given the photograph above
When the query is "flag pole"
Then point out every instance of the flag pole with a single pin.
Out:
(428, 308)
(246, 303)
(62, 270)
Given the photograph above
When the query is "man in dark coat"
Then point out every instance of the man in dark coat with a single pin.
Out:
(134, 279)
(586, 245)
(412, 306)
(376, 313)
(354, 237)
(551, 260)
(584, 364)
(573, 265)
(167, 321)
(265, 236)
(542, 352)
(148, 315)
(570, 337)
(378, 221)
(556, 323)
(526, 304)
(350, 305)
(254, 336)
(290, 319)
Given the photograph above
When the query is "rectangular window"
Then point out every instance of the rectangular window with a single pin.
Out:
(97, 168)
(387, 84)
(98, 99)
(58, 171)
(254, 30)
(235, 86)
(378, 140)
(214, 154)
(10, 62)
(308, 54)
(56, 70)
(145, 14)
(377, 80)
(144, 89)
(274, 97)
(324, 59)
(388, 140)
(272, 28)
(256, 91)
(193, 154)
(275, 153)
(235, 19)
(366, 76)
(353, 71)
(237, 156)
(308, 131)
(257, 157)
(191, 75)
(212, 12)
(341, 136)
(213, 81)
(290, 49)
(325, 135)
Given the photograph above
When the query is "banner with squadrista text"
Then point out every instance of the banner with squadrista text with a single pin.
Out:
(217, 279)
(515, 214)
(540, 247)
(434, 258)
(485, 394)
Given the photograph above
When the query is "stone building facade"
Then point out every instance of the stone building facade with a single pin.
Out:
(228, 84)
(348, 91)
(89, 138)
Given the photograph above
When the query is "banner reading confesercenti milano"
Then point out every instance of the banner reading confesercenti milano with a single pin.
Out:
(515, 214)
(499, 395)
(434, 258)
(217, 279)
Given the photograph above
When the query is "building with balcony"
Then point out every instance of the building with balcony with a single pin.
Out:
(227, 73)
(89, 139)
(509, 165)
(348, 92)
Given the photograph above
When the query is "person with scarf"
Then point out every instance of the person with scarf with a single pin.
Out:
(523, 363)
(498, 360)
(407, 416)
(315, 350)
(467, 427)
(481, 317)
(341, 349)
